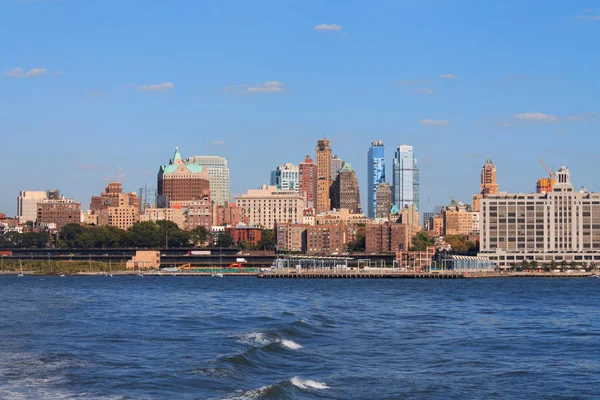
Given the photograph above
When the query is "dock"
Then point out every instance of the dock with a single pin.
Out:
(344, 274)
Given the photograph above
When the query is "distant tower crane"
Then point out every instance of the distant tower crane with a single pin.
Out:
(545, 185)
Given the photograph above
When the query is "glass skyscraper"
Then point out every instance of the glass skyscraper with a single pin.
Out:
(375, 174)
(406, 178)
(285, 177)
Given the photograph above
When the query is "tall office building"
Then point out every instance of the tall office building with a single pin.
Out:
(383, 200)
(147, 197)
(27, 205)
(406, 178)
(180, 183)
(336, 166)
(375, 174)
(269, 206)
(323, 153)
(308, 180)
(344, 190)
(285, 177)
(218, 174)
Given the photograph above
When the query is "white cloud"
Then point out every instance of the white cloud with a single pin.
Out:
(424, 90)
(328, 27)
(219, 142)
(267, 87)
(434, 122)
(448, 76)
(20, 73)
(536, 117)
(56, 72)
(159, 87)
(588, 17)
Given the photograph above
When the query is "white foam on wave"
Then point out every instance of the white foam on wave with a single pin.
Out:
(290, 344)
(307, 383)
(250, 394)
(254, 338)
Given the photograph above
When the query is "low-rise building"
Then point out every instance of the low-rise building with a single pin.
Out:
(245, 234)
(387, 237)
(291, 237)
(342, 215)
(61, 211)
(144, 259)
(326, 239)
(174, 215)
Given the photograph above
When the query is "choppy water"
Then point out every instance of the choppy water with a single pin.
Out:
(246, 338)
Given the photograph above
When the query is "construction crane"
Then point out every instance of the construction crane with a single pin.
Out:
(545, 185)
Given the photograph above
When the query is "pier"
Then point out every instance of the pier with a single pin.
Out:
(350, 274)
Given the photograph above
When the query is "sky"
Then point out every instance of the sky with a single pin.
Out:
(96, 91)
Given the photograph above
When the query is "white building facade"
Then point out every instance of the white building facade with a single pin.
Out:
(268, 206)
(218, 174)
(27, 204)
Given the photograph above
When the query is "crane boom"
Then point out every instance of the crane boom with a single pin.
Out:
(550, 173)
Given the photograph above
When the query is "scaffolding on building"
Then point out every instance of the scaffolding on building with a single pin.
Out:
(311, 263)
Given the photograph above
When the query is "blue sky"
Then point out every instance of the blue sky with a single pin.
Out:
(92, 91)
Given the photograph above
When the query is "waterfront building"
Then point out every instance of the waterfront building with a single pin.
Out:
(375, 175)
(27, 204)
(154, 214)
(218, 174)
(286, 177)
(291, 237)
(459, 219)
(307, 176)
(326, 239)
(561, 225)
(323, 156)
(241, 234)
(405, 178)
(336, 167)
(267, 206)
(61, 211)
(386, 237)
(345, 193)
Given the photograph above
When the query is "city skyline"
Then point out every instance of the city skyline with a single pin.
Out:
(114, 111)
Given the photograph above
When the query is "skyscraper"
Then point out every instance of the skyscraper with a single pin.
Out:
(323, 153)
(406, 178)
(285, 177)
(308, 179)
(488, 178)
(181, 184)
(336, 166)
(218, 174)
(375, 174)
(344, 190)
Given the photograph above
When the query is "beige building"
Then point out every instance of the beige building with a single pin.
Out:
(122, 216)
(144, 259)
(27, 205)
(175, 215)
(323, 153)
(291, 237)
(267, 206)
(343, 215)
(327, 239)
(460, 222)
(559, 225)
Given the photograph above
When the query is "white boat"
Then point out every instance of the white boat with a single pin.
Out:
(218, 275)
(62, 275)
(21, 272)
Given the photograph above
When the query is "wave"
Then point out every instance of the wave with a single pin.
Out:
(307, 383)
(265, 339)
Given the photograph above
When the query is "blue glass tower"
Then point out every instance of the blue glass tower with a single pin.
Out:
(375, 174)
(406, 178)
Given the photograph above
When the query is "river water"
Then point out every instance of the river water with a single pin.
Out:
(246, 338)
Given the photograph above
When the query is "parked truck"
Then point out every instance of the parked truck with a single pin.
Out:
(5, 253)
(240, 260)
(198, 253)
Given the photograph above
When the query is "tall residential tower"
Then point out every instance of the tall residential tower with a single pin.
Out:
(375, 174)
(218, 174)
(406, 178)
(323, 153)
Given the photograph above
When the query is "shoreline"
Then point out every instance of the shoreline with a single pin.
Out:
(324, 274)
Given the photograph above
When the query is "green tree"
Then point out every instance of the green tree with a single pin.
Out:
(224, 239)
(69, 233)
(421, 241)
(524, 265)
(563, 264)
(267, 240)
(145, 235)
(534, 264)
(553, 264)
(199, 235)
(458, 243)
(360, 241)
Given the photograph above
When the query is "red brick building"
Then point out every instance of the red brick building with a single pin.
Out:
(388, 237)
(110, 198)
(248, 234)
(61, 212)
(180, 183)
(307, 178)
